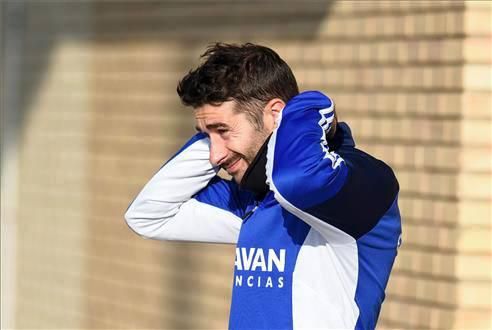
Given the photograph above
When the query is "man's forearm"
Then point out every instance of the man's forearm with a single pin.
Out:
(175, 183)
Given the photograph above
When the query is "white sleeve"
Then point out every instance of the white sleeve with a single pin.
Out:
(165, 209)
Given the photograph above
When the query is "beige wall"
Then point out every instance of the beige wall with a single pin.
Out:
(100, 115)
(53, 204)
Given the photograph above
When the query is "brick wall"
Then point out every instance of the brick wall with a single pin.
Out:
(53, 149)
(100, 115)
(473, 228)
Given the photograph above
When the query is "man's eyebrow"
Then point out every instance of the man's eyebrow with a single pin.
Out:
(212, 126)
(215, 125)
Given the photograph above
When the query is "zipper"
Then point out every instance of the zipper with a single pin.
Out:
(250, 213)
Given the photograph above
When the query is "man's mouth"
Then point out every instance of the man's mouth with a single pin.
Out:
(232, 167)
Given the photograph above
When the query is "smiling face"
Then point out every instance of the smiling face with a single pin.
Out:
(234, 140)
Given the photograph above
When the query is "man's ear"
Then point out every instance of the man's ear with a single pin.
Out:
(271, 112)
(275, 107)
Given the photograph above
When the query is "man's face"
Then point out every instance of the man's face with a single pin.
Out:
(234, 141)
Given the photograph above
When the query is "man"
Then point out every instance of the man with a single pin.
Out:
(315, 220)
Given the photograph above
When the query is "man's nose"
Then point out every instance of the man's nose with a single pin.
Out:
(218, 152)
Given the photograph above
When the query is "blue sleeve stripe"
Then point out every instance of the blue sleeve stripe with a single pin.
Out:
(299, 161)
(225, 195)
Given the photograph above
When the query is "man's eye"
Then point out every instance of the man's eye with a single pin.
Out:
(222, 131)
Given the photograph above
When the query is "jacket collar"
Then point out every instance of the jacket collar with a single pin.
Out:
(254, 178)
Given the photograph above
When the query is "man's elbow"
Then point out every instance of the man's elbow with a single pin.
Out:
(134, 222)
(149, 225)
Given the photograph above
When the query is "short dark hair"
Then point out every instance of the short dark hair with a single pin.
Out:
(249, 74)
